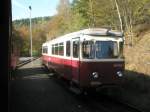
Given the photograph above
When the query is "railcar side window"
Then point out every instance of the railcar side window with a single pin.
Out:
(75, 49)
(68, 48)
(88, 51)
(56, 49)
(53, 50)
(61, 49)
(45, 49)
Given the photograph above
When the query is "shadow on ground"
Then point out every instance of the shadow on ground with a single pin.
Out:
(135, 90)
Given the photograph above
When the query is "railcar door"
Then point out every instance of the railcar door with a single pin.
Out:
(75, 60)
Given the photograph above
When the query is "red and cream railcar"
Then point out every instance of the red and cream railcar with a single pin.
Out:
(88, 58)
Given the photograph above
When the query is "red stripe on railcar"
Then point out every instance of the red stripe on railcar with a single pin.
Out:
(81, 71)
(66, 67)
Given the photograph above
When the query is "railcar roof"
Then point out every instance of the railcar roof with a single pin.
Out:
(92, 32)
(102, 32)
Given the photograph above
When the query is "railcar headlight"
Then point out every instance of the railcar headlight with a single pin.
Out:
(95, 75)
(119, 73)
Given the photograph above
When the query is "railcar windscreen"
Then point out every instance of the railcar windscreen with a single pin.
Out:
(100, 50)
(106, 49)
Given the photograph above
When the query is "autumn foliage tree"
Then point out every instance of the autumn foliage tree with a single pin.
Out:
(39, 36)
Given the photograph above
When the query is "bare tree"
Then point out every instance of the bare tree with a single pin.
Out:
(119, 15)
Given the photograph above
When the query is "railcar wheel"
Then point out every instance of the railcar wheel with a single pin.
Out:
(74, 88)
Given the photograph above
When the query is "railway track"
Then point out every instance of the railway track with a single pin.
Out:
(19, 65)
(110, 104)
(25, 62)
(96, 102)
(127, 105)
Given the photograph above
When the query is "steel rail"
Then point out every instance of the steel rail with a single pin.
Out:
(25, 62)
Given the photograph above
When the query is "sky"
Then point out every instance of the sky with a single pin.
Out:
(40, 8)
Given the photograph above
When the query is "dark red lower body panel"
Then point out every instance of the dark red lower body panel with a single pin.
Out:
(106, 70)
(81, 72)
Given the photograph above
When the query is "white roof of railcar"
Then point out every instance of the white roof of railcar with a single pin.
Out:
(45, 44)
(102, 32)
(90, 31)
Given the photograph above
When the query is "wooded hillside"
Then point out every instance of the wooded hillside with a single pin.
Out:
(130, 16)
(38, 31)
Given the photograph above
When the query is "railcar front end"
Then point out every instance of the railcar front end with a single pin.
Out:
(102, 62)
(101, 72)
